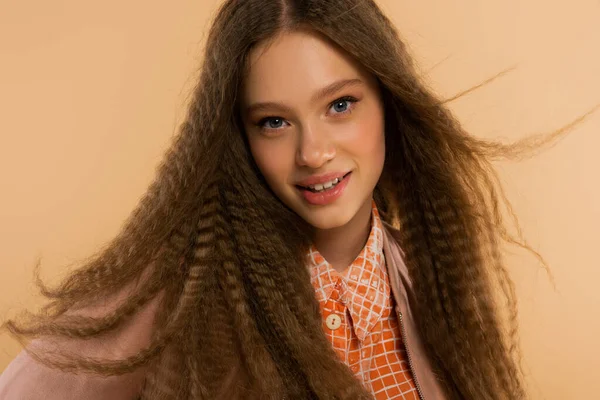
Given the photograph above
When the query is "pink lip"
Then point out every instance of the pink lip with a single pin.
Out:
(327, 196)
(316, 179)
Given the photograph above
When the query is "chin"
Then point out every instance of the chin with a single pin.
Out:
(326, 219)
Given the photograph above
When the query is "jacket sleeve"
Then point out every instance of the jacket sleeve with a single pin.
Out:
(27, 379)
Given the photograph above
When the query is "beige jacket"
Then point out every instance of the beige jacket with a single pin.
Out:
(25, 379)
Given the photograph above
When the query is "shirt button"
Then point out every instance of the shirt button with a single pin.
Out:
(333, 321)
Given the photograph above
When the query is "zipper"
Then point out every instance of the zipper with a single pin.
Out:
(410, 363)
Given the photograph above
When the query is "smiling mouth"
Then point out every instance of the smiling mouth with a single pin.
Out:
(321, 187)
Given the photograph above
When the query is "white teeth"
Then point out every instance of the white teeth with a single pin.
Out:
(323, 186)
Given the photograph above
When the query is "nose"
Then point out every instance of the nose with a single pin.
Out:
(314, 149)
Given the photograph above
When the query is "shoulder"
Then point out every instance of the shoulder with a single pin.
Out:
(395, 260)
(392, 237)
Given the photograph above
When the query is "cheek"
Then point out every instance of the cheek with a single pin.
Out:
(272, 161)
(367, 143)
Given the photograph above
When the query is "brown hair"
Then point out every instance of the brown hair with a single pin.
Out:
(238, 313)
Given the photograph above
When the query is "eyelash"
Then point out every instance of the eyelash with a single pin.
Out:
(349, 99)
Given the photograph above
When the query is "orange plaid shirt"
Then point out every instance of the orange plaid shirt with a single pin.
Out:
(359, 318)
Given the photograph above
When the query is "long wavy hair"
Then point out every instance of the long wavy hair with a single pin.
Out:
(238, 316)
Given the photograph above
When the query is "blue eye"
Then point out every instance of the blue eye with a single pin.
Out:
(342, 105)
(271, 123)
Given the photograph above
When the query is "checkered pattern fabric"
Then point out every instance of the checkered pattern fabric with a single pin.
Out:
(368, 338)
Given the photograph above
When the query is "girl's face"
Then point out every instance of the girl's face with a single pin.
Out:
(315, 124)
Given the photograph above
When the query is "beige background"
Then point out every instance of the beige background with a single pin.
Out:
(91, 92)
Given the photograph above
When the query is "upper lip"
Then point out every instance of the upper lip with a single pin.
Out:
(319, 179)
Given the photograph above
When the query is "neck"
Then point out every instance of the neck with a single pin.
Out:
(340, 246)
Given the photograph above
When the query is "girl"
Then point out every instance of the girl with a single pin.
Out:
(321, 228)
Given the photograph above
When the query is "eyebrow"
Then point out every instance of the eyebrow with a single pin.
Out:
(320, 94)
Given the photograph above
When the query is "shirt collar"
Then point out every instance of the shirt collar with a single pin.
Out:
(364, 287)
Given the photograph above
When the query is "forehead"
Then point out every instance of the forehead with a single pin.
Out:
(296, 64)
